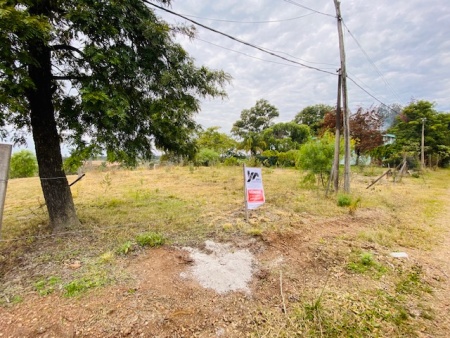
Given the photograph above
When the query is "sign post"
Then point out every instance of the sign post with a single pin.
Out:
(253, 189)
(5, 157)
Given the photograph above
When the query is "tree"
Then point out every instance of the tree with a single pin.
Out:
(365, 131)
(313, 116)
(253, 121)
(316, 157)
(221, 143)
(100, 76)
(408, 131)
(23, 164)
(283, 137)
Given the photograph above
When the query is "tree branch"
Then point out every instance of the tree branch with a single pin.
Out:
(68, 48)
(68, 77)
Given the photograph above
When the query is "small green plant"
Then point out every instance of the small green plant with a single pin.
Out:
(152, 239)
(81, 285)
(365, 262)
(125, 248)
(411, 282)
(47, 286)
(344, 200)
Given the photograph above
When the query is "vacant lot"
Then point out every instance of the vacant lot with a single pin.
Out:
(316, 269)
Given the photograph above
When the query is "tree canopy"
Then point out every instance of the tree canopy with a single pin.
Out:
(408, 131)
(253, 121)
(313, 116)
(100, 76)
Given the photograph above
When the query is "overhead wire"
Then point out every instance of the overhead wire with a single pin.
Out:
(248, 22)
(239, 40)
(308, 8)
(371, 62)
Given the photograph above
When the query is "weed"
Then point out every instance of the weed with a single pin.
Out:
(47, 286)
(107, 257)
(125, 248)
(151, 239)
(344, 200)
(411, 282)
(365, 262)
(81, 285)
(106, 182)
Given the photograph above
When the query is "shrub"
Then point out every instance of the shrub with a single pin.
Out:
(23, 164)
(207, 157)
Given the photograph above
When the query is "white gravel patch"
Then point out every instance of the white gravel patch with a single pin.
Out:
(221, 267)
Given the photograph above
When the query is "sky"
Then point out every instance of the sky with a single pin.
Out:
(397, 51)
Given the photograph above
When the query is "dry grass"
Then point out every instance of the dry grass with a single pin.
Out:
(188, 204)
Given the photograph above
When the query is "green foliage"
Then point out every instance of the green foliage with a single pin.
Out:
(283, 137)
(253, 121)
(81, 285)
(408, 132)
(365, 262)
(219, 142)
(133, 86)
(47, 286)
(23, 164)
(125, 248)
(344, 200)
(207, 157)
(231, 161)
(152, 239)
(316, 156)
(313, 116)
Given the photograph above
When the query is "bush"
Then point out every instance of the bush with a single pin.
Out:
(231, 161)
(23, 164)
(207, 157)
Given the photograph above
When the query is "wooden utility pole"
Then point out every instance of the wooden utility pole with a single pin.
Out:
(344, 100)
(337, 140)
(5, 157)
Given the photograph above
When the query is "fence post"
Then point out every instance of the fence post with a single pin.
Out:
(5, 157)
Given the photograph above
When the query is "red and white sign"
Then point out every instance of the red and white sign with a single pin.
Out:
(254, 191)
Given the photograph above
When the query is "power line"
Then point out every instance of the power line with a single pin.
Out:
(248, 22)
(368, 93)
(308, 8)
(238, 40)
(372, 63)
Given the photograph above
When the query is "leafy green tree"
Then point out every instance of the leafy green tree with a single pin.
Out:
(313, 116)
(99, 75)
(253, 121)
(23, 164)
(316, 157)
(285, 136)
(408, 131)
(212, 139)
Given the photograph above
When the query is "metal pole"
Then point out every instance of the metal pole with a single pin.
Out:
(5, 157)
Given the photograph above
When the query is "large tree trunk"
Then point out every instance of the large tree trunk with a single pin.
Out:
(55, 187)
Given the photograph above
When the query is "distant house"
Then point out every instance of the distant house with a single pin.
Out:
(388, 139)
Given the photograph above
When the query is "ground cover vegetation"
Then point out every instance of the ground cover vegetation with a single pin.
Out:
(323, 264)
